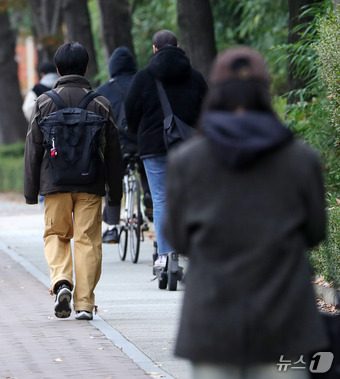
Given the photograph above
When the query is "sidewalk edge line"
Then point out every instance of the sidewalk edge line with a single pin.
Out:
(136, 355)
(128, 348)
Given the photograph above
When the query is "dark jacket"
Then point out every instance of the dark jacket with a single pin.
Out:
(37, 178)
(245, 206)
(122, 68)
(185, 88)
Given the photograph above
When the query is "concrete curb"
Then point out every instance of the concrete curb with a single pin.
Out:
(327, 294)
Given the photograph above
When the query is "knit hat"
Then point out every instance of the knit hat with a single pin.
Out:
(46, 68)
(239, 63)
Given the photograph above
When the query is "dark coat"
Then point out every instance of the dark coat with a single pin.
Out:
(185, 88)
(246, 220)
(122, 68)
(37, 178)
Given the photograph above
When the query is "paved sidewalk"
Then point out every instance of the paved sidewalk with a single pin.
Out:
(134, 316)
(35, 344)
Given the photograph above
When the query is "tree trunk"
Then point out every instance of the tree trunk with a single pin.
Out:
(296, 81)
(46, 27)
(116, 25)
(196, 33)
(13, 125)
(77, 19)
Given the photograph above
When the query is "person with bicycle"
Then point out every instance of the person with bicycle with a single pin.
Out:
(122, 67)
(185, 88)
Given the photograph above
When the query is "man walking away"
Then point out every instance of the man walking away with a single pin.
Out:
(185, 89)
(72, 210)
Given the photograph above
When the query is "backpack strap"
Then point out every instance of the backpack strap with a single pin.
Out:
(56, 99)
(163, 99)
(87, 99)
(61, 104)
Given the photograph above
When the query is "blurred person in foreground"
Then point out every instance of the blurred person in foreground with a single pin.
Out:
(245, 201)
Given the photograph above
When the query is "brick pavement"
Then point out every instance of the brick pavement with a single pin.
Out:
(35, 344)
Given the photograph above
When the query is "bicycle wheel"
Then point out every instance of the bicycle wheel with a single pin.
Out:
(123, 242)
(135, 220)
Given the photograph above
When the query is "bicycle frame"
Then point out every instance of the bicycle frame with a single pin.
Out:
(131, 232)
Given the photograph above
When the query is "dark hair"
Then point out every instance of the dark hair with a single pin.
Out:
(251, 94)
(71, 58)
(164, 38)
(46, 68)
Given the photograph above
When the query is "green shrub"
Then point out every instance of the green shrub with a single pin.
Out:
(310, 121)
(328, 49)
(11, 167)
(11, 174)
(325, 259)
(16, 150)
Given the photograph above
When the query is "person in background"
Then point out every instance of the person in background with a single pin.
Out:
(185, 88)
(245, 201)
(122, 67)
(47, 73)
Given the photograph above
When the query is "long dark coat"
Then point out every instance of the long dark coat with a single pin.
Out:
(248, 292)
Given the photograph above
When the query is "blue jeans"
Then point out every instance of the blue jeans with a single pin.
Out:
(155, 172)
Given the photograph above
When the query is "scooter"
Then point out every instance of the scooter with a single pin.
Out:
(169, 275)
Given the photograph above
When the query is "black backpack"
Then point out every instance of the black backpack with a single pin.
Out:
(72, 137)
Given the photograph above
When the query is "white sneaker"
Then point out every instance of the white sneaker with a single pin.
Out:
(161, 261)
(84, 315)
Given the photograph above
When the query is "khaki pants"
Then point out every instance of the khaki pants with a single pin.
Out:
(78, 216)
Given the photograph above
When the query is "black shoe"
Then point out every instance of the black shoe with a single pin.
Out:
(111, 236)
(147, 200)
(62, 305)
(149, 214)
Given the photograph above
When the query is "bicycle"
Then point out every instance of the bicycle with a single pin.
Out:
(133, 226)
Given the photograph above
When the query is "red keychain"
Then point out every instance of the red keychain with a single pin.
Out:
(53, 150)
